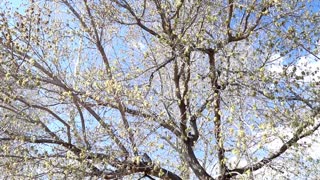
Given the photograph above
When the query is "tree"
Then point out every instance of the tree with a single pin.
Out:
(165, 89)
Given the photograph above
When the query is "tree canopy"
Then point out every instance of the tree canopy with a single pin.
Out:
(167, 89)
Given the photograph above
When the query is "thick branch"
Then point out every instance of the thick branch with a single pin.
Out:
(228, 22)
(194, 164)
(296, 137)
(130, 168)
(217, 115)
